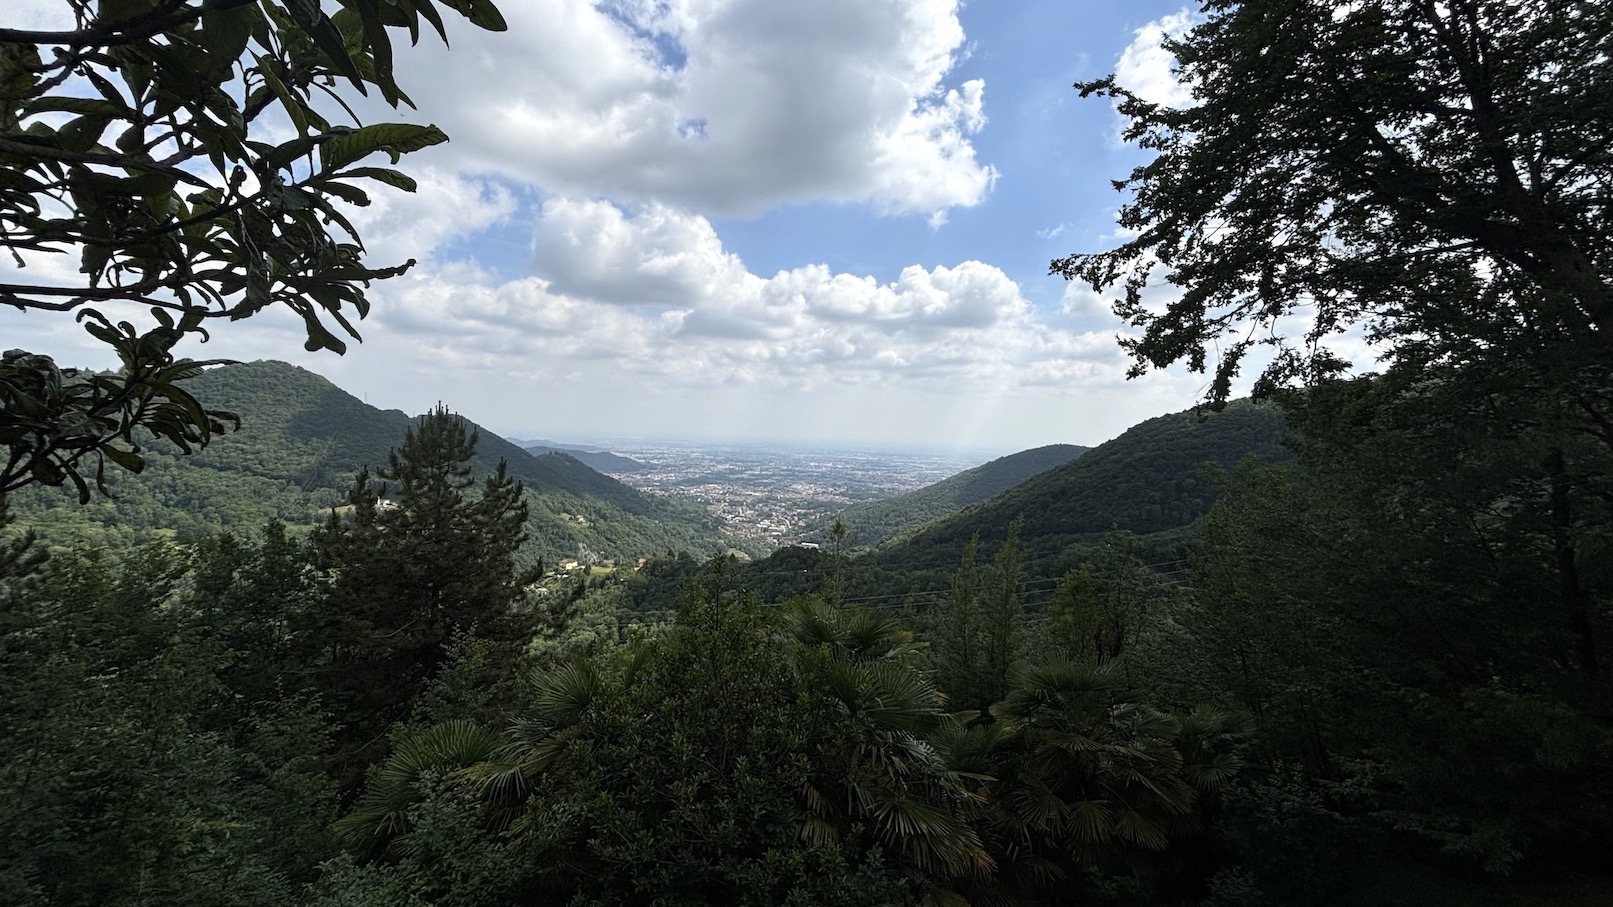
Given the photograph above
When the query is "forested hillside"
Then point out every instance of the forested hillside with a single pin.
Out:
(1155, 477)
(873, 522)
(301, 442)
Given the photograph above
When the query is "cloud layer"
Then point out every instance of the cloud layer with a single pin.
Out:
(718, 106)
(654, 292)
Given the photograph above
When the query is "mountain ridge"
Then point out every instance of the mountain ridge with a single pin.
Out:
(301, 441)
(1151, 479)
(873, 523)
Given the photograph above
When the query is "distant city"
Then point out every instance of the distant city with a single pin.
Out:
(774, 494)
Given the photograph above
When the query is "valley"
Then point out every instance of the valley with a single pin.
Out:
(777, 494)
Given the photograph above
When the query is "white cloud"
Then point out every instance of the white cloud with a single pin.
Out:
(1079, 301)
(592, 249)
(613, 131)
(720, 106)
(398, 225)
(655, 294)
(39, 15)
(1148, 69)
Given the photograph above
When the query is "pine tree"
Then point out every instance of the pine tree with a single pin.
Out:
(414, 570)
(977, 640)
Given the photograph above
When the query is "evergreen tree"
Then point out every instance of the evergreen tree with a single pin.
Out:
(978, 638)
(410, 573)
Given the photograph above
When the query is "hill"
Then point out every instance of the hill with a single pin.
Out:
(599, 460)
(875, 522)
(301, 441)
(1151, 479)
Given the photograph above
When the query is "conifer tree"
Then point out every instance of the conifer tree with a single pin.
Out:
(420, 559)
(977, 639)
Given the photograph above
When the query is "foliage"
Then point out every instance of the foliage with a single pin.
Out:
(1148, 480)
(1101, 610)
(979, 631)
(1436, 171)
(61, 423)
(412, 573)
(296, 456)
(1096, 772)
(135, 768)
(679, 779)
(1418, 613)
(1411, 618)
(140, 142)
(872, 523)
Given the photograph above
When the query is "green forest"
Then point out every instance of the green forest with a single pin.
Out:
(1349, 642)
(873, 523)
(302, 441)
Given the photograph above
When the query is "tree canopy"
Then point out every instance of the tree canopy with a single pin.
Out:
(1435, 172)
(144, 144)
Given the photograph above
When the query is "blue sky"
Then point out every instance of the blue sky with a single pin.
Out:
(751, 219)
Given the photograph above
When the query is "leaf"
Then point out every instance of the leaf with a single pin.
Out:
(122, 10)
(380, 47)
(327, 37)
(225, 34)
(481, 13)
(91, 106)
(394, 178)
(83, 133)
(128, 459)
(350, 194)
(288, 101)
(396, 139)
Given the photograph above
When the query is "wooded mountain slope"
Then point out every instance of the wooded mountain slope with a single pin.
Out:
(601, 460)
(875, 522)
(301, 441)
(1150, 479)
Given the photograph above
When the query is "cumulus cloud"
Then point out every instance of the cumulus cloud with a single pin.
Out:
(661, 256)
(603, 136)
(720, 106)
(655, 294)
(1148, 69)
(445, 206)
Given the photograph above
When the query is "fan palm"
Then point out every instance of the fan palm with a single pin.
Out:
(1086, 771)
(381, 821)
(878, 769)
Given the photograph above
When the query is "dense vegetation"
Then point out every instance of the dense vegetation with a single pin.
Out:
(1335, 699)
(872, 523)
(1378, 674)
(302, 441)
(1157, 476)
(175, 153)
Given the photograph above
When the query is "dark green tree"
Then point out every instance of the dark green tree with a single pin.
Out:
(1436, 172)
(729, 760)
(130, 770)
(978, 635)
(1088, 785)
(136, 141)
(412, 566)
(1100, 610)
(1405, 613)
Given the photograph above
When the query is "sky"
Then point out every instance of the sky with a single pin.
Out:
(748, 220)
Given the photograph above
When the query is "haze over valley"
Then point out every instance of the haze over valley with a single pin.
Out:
(776, 493)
